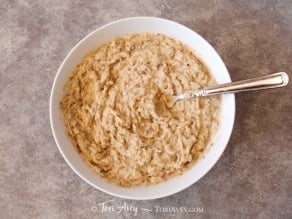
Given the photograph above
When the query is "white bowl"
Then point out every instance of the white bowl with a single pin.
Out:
(135, 25)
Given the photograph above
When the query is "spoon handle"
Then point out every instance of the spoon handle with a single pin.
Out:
(279, 79)
(275, 80)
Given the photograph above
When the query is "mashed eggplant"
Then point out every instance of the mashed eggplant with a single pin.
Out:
(119, 110)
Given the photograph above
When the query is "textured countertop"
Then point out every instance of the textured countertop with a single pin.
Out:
(251, 180)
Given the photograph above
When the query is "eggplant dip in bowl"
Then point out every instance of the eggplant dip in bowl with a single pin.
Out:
(114, 118)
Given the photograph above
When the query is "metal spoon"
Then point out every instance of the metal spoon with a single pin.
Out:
(275, 80)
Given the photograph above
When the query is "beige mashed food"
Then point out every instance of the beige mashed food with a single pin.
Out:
(119, 110)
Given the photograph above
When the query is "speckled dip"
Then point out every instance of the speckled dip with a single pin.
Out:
(138, 25)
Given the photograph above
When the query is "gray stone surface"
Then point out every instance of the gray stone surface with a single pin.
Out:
(251, 180)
